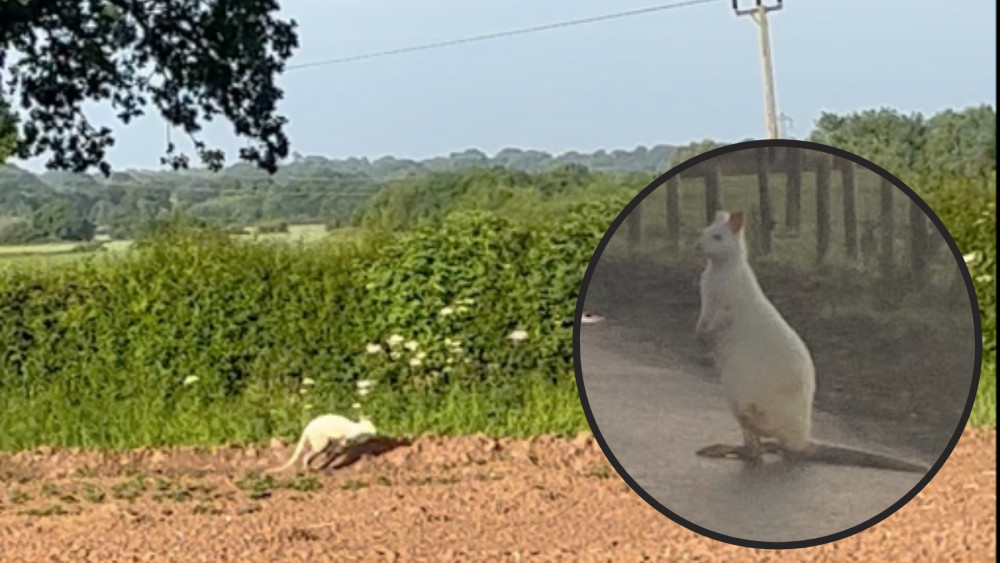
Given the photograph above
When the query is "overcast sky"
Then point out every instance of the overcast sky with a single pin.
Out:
(667, 77)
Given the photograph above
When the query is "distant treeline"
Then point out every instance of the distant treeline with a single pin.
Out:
(65, 206)
(389, 191)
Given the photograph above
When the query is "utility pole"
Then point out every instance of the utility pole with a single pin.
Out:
(759, 15)
(786, 124)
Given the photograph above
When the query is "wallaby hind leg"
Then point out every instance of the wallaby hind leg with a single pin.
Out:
(749, 417)
(327, 452)
(739, 452)
(723, 450)
(753, 447)
(307, 460)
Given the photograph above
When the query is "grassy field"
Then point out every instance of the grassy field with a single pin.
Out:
(296, 233)
(60, 253)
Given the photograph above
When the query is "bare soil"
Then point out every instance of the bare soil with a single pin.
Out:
(462, 499)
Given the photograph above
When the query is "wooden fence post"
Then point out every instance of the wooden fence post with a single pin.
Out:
(918, 244)
(793, 190)
(634, 222)
(673, 211)
(713, 190)
(764, 188)
(888, 228)
(850, 209)
(822, 207)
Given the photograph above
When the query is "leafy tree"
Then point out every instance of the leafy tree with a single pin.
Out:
(961, 144)
(885, 136)
(949, 144)
(684, 153)
(60, 218)
(17, 230)
(192, 59)
(8, 131)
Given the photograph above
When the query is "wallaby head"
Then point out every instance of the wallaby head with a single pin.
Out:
(363, 427)
(724, 237)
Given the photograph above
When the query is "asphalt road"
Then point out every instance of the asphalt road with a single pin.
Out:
(655, 411)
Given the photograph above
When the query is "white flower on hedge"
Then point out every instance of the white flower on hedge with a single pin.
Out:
(972, 257)
(190, 380)
(373, 348)
(446, 311)
(411, 345)
(395, 355)
(364, 386)
(462, 309)
(467, 301)
(414, 362)
(395, 340)
(308, 381)
(518, 335)
(356, 406)
(420, 355)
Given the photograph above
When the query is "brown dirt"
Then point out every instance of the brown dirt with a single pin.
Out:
(470, 499)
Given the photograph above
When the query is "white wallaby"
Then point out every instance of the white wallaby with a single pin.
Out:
(766, 369)
(323, 430)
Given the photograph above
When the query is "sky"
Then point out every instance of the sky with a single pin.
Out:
(667, 77)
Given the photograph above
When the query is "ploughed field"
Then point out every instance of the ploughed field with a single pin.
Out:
(454, 499)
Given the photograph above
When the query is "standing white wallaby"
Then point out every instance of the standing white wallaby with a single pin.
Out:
(323, 430)
(766, 369)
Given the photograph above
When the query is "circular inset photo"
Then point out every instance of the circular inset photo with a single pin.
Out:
(777, 344)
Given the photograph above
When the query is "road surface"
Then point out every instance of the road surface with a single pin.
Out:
(654, 411)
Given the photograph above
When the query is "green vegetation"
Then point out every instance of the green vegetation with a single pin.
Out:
(197, 337)
(949, 160)
(442, 305)
(58, 206)
(92, 53)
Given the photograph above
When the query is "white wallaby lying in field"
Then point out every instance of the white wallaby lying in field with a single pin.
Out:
(766, 369)
(323, 430)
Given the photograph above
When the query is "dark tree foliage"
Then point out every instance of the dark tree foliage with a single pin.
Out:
(191, 59)
(949, 144)
(8, 132)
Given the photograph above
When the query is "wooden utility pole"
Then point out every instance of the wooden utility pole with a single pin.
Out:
(759, 15)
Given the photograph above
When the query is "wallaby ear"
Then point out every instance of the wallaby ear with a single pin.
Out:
(721, 216)
(736, 221)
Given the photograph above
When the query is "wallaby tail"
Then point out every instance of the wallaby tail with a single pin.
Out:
(838, 455)
(295, 457)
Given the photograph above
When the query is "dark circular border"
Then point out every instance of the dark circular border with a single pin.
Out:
(621, 219)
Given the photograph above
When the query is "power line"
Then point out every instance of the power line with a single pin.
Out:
(500, 34)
